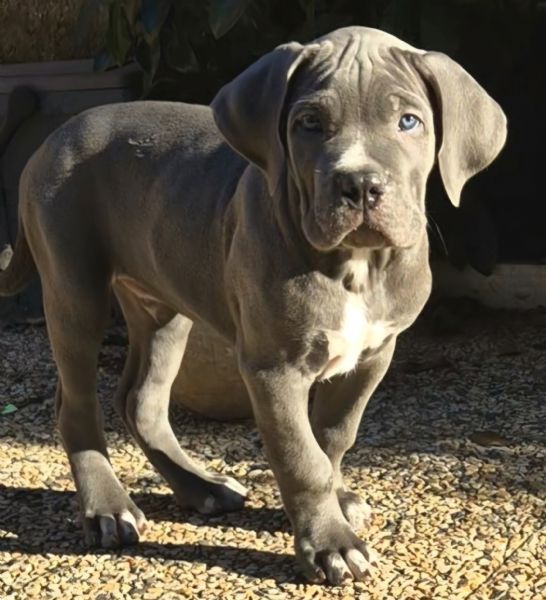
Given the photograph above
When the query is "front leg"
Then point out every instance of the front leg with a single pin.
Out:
(338, 406)
(326, 546)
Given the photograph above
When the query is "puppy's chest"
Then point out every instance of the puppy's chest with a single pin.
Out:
(365, 316)
(358, 331)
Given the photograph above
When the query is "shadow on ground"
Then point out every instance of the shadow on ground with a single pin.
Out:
(40, 521)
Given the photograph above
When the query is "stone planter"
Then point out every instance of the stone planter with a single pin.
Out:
(513, 286)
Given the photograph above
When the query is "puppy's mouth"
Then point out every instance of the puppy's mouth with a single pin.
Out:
(349, 231)
(328, 227)
(374, 229)
(364, 230)
(365, 237)
(381, 229)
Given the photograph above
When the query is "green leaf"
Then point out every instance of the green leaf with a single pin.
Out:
(152, 16)
(118, 37)
(89, 14)
(8, 409)
(223, 14)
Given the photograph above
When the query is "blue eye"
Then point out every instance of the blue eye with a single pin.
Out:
(408, 122)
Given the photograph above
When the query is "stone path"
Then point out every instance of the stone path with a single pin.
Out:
(451, 456)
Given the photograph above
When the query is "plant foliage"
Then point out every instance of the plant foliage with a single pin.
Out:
(188, 48)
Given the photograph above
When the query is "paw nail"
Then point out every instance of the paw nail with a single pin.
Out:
(357, 563)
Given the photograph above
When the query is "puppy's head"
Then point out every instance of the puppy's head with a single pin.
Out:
(357, 119)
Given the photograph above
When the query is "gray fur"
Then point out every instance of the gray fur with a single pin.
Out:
(307, 250)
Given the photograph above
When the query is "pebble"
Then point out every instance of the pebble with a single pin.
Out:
(451, 518)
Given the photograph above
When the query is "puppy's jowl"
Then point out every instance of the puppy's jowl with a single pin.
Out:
(290, 217)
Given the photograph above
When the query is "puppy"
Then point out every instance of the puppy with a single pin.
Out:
(290, 217)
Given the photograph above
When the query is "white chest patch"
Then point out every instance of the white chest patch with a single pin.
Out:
(356, 334)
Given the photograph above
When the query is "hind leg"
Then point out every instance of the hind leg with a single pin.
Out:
(76, 320)
(157, 340)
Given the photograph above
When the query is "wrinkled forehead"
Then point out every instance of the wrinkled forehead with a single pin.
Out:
(356, 69)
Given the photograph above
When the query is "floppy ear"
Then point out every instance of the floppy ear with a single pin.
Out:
(473, 125)
(247, 110)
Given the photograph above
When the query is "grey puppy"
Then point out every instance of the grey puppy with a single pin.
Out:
(302, 241)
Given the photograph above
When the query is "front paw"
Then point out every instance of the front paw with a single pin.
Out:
(356, 510)
(331, 552)
(112, 521)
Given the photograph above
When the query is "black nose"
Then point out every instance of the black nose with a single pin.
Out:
(360, 190)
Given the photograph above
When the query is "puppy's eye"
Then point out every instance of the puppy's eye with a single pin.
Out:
(310, 122)
(408, 122)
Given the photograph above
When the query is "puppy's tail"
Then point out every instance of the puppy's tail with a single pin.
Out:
(16, 267)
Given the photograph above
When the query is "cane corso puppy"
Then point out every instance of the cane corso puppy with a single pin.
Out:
(290, 217)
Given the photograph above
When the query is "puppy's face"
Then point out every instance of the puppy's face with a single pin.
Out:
(350, 120)
(360, 144)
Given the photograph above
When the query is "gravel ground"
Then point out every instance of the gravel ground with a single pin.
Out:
(451, 456)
